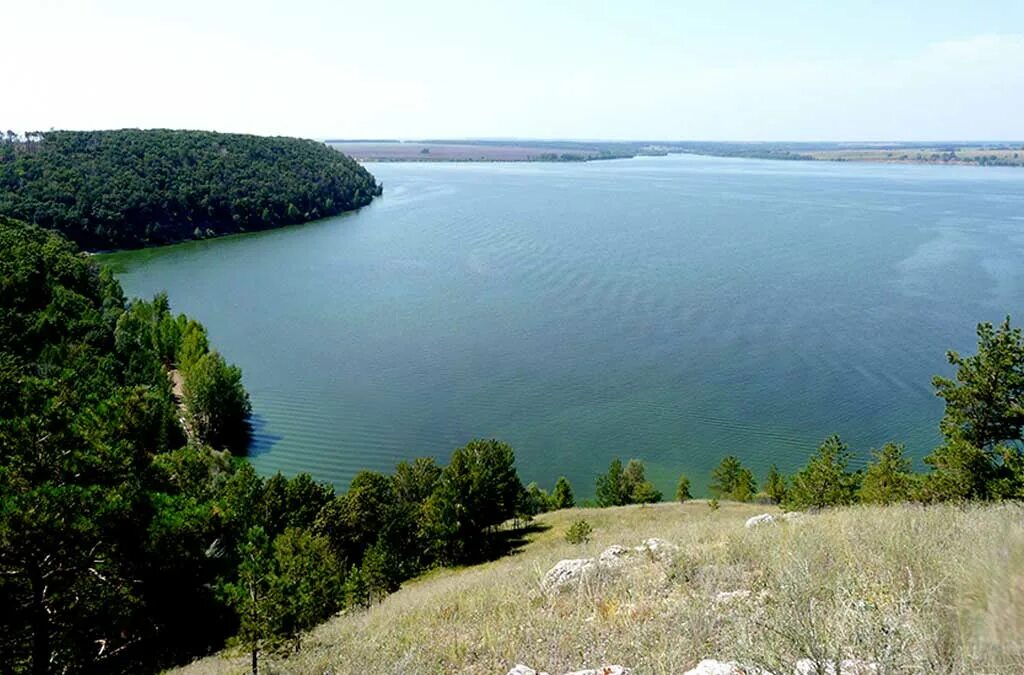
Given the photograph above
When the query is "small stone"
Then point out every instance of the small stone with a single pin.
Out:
(604, 670)
(520, 669)
(846, 667)
(763, 519)
(730, 596)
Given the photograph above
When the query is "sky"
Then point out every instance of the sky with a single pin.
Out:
(630, 69)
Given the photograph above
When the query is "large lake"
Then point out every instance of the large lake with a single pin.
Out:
(676, 309)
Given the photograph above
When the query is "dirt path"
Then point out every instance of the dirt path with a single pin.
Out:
(178, 391)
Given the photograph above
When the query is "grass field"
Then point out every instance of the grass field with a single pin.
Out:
(1002, 156)
(912, 589)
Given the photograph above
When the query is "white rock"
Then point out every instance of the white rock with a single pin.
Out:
(614, 556)
(790, 516)
(520, 669)
(846, 667)
(763, 519)
(730, 596)
(715, 667)
(604, 670)
(566, 572)
(659, 548)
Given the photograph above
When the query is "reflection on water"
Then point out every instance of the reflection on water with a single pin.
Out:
(675, 309)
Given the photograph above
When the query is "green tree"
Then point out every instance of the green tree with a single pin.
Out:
(562, 496)
(985, 403)
(635, 486)
(309, 579)
(609, 486)
(533, 501)
(217, 404)
(478, 490)
(257, 596)
(380, 572)
(888, 478)
(683, 489)
(775, 485)
(825, 480)
(731, 480)
(960, 471)
(192, 344)
(981, 457)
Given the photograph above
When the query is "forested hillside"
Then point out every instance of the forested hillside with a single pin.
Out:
(131, 188)
(131, 539)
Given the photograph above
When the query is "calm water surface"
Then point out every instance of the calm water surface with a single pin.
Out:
(675, 309)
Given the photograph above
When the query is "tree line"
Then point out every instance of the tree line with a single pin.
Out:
(131, 188)
(980, 457)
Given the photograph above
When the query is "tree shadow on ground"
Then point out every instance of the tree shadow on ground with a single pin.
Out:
(510, 541)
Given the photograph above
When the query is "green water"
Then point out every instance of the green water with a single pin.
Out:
(675, 309)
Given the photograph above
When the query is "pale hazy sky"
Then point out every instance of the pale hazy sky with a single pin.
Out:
(766, 70)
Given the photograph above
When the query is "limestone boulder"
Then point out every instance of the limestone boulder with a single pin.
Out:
(716, 667)
(763, 519)
(566, 572)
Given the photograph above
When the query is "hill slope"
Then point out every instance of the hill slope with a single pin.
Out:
(130, 188)
(914, 589)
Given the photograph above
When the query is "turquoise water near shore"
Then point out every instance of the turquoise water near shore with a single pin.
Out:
(675, 309)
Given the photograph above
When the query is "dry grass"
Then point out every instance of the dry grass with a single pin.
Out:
(916, 590)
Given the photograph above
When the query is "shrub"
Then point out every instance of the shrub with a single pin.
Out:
(579, 532)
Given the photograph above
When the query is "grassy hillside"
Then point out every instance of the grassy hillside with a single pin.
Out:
(915, 589)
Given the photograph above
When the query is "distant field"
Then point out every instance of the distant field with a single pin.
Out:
(1001, 156)
(983, 153)
(395, 151)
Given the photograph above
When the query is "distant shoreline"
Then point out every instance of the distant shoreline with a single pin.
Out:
(972, 153)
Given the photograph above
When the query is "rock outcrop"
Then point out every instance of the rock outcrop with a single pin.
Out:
(803, 667)
(567, 572)
(716, 667)
(763, 519)
(520, 669)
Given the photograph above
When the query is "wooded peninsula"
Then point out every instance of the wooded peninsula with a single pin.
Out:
(130, 188)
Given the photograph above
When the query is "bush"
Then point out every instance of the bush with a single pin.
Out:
(579, 532)
(713, 503)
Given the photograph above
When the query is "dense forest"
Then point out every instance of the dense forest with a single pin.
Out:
(131, 188)
(131, 537)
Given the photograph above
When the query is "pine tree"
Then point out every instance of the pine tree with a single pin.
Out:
(775, 485)
(824, 481)
(683, 489)
(562, 496)
(888, 478)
